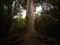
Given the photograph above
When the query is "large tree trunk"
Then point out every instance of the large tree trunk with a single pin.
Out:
(30, 15)
(30, 32)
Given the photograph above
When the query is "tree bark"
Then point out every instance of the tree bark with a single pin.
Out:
(30, 32)
(30, 15)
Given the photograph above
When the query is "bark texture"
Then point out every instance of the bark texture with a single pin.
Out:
(30, 32)
(30, 15)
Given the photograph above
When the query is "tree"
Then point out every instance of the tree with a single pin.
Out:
(30, 15)
(30, 31)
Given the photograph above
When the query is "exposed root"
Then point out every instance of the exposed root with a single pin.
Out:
(30, 34)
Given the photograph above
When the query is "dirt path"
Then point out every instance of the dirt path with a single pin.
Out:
(42, 40)
(32, 42)
(37, 42)
(16, 40)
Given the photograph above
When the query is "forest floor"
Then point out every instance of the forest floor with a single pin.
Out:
(15, 39)
(40, 40)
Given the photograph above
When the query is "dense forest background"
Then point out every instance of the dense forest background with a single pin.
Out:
(45, 25)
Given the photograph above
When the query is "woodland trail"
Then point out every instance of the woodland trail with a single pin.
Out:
(17, 40)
